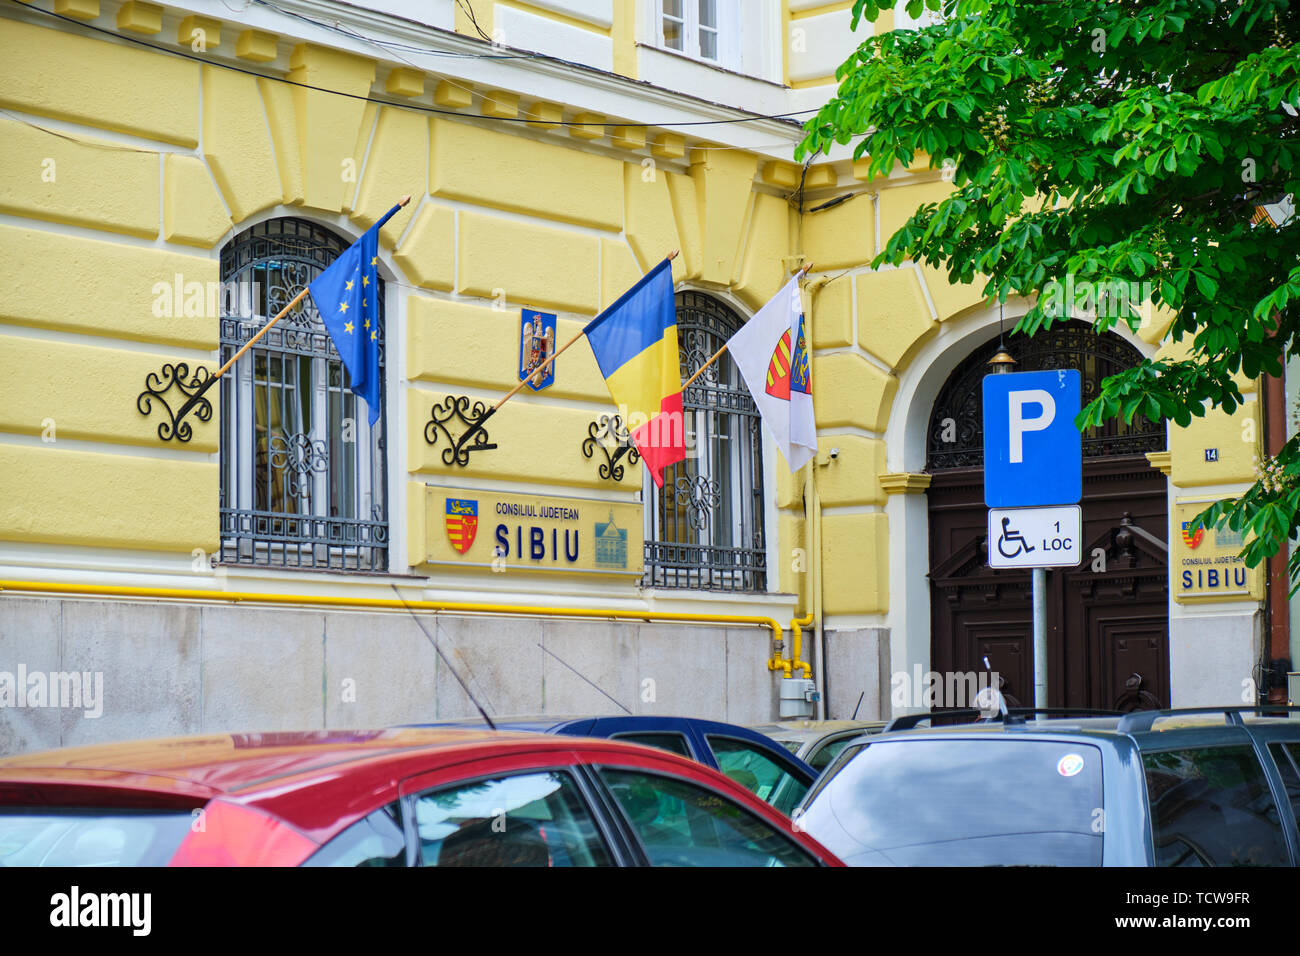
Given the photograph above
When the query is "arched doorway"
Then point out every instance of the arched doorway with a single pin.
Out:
(1108, 620)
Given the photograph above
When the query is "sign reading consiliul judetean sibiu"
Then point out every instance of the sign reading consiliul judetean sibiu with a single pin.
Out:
(470, 528)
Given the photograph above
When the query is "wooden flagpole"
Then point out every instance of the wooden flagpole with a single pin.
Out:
(534, 374)
(260, 332)
(700, 371)
(253, 341)
(718, 354)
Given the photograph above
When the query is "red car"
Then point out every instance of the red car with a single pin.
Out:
(438, 797)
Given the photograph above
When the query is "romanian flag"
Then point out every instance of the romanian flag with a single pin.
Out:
(635, 343)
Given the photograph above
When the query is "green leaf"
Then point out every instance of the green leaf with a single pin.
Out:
(1207, 286)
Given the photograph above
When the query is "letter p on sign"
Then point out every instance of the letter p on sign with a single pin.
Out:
(1032, 449)
(1019, 424)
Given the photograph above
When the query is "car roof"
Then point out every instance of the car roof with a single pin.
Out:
(236, 763)
(1071, 728)
(1144, 728)
(812, 729)
(531, 723)
(652, 722)
(644, 722)
(628, 723)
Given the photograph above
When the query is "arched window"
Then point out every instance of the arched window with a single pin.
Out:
(704, 527)
(303, 475)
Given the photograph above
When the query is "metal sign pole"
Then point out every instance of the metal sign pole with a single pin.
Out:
(1040, 637)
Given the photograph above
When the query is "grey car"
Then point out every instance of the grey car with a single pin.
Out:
(1207, 787)
(817, 742)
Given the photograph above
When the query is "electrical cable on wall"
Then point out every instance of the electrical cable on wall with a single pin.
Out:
(418, 107)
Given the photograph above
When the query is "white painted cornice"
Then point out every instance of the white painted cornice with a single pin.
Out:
(460, 59)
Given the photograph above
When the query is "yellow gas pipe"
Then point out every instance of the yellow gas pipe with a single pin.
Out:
(793, 663)
(194, 594)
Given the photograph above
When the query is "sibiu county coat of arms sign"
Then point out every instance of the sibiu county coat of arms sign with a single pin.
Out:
(462, 523)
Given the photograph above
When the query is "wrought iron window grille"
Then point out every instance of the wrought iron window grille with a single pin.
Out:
(704, 527)
(303, 475)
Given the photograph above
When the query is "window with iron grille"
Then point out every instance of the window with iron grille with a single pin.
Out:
(303, 475)
(957, 423)
(704, 527)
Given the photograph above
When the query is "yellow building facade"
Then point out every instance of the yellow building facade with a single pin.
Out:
(174, 174)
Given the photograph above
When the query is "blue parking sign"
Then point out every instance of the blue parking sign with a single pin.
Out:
(1033, 453)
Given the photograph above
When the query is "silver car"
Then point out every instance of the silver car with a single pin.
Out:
(817, 742)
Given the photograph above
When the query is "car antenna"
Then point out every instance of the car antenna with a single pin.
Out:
(583, 676)
(855, 709)
(434, 641)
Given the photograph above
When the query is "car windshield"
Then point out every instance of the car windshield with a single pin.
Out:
(962, 803)
(83, 837)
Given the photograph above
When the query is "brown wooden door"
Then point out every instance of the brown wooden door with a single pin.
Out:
(1107, 642)
(1114, 609)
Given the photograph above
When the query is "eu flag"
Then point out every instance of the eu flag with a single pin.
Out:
(347, 297)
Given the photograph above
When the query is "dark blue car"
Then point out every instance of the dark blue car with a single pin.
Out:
(763, 767)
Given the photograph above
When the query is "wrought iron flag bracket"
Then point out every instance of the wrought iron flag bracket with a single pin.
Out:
(599, 435)
(459, 447)
(190, 388)
(157, 384)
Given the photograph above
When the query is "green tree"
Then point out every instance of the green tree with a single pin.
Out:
(1112, 142)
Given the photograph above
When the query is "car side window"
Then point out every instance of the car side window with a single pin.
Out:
(376, 840)
(682, 824)
(820, 759)
(1287, 758)
(673, 743)
(526, 819)
(757, 772)
(1211, 806)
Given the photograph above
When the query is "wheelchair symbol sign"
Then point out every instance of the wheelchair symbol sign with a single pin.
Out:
(1009, 537)
(1036, 537)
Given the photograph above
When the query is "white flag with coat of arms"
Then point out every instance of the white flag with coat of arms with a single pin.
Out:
(771, 351)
